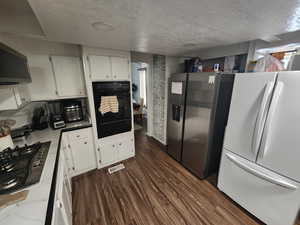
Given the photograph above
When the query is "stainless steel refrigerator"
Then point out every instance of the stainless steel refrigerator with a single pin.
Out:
(198, 105)
(260, 165)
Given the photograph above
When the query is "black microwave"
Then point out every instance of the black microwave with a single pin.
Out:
(13, 67)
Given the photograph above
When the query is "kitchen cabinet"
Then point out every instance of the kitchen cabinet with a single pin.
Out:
(108, 153)
(68, 76)
(105, 68)
(14, 98)
(42, 86)
(114, 151)
(100, 67)
(120, 68)
(67, 155)
(125, 148)
(79, 150)
(62, 211)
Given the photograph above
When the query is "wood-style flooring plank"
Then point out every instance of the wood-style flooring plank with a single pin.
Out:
(153, 189)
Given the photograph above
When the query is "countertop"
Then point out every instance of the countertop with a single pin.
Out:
(33, 210)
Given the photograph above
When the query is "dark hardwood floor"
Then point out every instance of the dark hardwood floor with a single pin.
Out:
(153, 189)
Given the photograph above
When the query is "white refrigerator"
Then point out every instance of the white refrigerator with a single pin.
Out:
(260, 164)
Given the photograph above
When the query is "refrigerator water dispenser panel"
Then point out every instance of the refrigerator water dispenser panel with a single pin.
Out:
(176, 112)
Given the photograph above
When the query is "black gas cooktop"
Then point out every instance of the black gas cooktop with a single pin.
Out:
(22, 166)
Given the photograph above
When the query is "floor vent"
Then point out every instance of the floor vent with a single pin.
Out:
(116, 168)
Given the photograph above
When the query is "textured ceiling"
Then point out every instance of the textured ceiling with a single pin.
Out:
(17, 17)
(169, 27)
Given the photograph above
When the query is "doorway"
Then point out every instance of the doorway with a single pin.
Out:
(140, 96)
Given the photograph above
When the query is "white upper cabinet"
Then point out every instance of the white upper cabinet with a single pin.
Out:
(120, 68)
(108, 68)
(68, 76)
(14, 98)
(100, 67)
(42, 86)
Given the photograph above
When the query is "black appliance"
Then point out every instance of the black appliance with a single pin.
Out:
(56, 115)
(57, 121)
(22, 166)
(13, 67)
(19, 132)
(72, 111)
(113, 123)
(197, 116)
(39, 119)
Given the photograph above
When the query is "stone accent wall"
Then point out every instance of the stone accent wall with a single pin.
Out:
(159, 98)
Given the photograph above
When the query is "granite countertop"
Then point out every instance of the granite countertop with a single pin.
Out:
(33, 210)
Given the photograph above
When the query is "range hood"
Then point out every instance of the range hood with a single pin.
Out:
(13, 67)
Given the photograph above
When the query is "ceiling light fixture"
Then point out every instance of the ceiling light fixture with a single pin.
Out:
(271, 38)
(190, 45)
(102, 26)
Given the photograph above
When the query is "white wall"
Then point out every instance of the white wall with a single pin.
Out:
(221, 51)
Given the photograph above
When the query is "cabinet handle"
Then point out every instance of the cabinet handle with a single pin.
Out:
(120, 144)
(85, 142)
(73, 168)
(98, 149)
(69, 146)
(78, 136)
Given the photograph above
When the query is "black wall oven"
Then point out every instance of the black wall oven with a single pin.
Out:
(111, 123)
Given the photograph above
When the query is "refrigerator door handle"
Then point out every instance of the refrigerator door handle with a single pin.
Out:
(261, 117)
(273, 107)
(260, 172)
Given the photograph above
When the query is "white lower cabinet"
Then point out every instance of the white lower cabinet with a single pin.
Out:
(62, 210)
(114, 151)
(125, 148)
(108, 152)
(79, 148)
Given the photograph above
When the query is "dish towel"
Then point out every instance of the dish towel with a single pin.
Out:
(109, 104)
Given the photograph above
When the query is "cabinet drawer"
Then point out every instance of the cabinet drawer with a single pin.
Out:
(85, 133)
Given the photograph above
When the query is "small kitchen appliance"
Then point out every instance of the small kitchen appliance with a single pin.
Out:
(72, 111)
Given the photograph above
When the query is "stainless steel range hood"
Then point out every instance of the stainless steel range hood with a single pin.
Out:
(13, 67)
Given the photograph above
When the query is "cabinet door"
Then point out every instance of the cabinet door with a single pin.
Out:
(66, 148)
(125, 148)
(68, 76)
(7, 99)
(120, 68)
(100, 67)
(83, 153)
(108, 153)
(58, 215)
(63, 197)
(67, 175)
(42, 86)
(23, 91)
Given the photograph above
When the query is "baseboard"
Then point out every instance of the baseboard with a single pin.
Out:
(162, 145)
